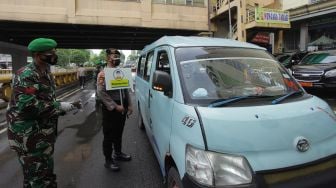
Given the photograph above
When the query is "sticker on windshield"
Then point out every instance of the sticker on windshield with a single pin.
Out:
(200, 92)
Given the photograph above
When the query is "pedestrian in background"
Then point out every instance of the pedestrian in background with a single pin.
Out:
(81, 76)
(32, 115)
(113, 114)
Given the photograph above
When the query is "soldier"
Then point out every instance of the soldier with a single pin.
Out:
(114, 114)
(32, 115)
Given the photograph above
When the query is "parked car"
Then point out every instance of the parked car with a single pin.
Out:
(317, 70)
(131, 65)
(223, 113)
(289, 59)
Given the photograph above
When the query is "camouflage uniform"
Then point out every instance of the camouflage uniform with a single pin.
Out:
(32, 117)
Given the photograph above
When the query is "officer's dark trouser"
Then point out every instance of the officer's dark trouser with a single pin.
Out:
(113, 126)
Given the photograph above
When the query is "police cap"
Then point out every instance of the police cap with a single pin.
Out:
(42, 44)
(112, 51)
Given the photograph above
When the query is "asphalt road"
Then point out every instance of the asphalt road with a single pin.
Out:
(78, 153)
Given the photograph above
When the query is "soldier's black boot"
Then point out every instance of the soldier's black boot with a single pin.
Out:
(111, 165)
(120, 156)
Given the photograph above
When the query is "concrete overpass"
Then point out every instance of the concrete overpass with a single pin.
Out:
(96, 24)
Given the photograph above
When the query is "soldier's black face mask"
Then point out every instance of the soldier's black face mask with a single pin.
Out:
(49, 58)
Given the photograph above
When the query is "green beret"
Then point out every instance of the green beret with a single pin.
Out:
(42, 44)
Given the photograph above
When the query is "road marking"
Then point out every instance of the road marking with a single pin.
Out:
(3, 130)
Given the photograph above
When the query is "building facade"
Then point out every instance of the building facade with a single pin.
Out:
(313, 26)
(256, 21)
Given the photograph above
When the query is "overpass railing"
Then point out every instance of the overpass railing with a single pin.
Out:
(62, 78)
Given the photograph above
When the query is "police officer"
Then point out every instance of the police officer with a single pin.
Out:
(114, 112)
(32, 115)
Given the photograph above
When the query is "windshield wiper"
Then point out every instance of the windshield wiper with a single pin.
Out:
(223, 102)
(276, 101)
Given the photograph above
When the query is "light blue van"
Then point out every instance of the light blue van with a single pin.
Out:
(223, 113)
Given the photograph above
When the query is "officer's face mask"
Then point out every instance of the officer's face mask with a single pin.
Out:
(115, 59)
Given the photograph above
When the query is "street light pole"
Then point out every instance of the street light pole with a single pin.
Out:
(230, 27)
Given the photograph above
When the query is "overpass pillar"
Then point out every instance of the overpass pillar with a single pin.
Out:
(303, 36)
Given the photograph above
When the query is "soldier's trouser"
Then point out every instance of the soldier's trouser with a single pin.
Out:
(35, 151)
(38, 170)
(113, 126)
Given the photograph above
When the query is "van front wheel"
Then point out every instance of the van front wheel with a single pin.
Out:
(140, 120)
(174, 180)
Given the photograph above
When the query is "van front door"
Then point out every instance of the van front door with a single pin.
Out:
(161, 107)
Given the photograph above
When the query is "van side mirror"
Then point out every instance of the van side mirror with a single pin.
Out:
(162, 82)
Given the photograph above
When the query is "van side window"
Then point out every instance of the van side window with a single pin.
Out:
(148, 66)
(141, 66)
(162, 63)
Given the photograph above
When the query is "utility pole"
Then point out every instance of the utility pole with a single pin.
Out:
(230, 26)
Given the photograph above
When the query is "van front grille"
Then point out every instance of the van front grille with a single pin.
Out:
(311, 78)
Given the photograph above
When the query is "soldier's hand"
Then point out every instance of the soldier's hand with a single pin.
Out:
(67, 106)
(78, 104)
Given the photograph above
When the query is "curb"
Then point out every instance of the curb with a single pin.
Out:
(3, 125)
(3, 104)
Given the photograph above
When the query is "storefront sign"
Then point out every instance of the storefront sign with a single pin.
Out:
(118, 78)
(261, 38)
(264, 15)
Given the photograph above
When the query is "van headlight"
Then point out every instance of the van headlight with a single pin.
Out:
(217, 169)
(331, 73)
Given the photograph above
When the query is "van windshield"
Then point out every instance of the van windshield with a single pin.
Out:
(208, 79)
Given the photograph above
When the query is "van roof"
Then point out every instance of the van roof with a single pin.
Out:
(182, 41)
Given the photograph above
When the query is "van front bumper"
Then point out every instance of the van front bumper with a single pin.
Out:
(317, 180)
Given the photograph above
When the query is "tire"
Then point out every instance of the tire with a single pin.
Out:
(140, 120)
(174, 180)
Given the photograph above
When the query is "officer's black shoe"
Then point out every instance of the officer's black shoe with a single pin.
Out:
(111, 165)
(121, 157)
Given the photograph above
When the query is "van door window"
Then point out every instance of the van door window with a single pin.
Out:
(162, 63)
(141, 66)
(148, 66)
